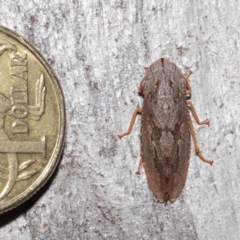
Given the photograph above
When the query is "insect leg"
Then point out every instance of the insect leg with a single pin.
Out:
(189, 89)
(140, 89)
(191, 107)
(198, 152)
(140, 165)
(136, 112)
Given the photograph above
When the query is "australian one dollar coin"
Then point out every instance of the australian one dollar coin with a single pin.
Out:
(32, 120)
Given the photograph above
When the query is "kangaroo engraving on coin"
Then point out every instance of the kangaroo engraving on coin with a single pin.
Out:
(32, 120)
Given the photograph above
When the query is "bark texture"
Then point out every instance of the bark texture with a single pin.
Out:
(98, 50)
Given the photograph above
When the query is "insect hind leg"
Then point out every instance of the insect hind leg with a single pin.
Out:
(140, 165)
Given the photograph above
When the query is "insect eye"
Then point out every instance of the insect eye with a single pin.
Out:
(188, 96)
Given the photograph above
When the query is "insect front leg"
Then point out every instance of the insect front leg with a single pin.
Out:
(198, 152)
(189, 89)
(136, 112)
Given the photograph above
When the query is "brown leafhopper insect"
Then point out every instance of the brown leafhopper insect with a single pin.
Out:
(166, 128)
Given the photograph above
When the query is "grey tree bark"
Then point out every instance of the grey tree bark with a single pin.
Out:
(98, 50)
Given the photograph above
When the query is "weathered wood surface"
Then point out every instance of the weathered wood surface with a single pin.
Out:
(98, 50)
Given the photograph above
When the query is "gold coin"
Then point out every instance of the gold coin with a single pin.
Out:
(32, 120)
